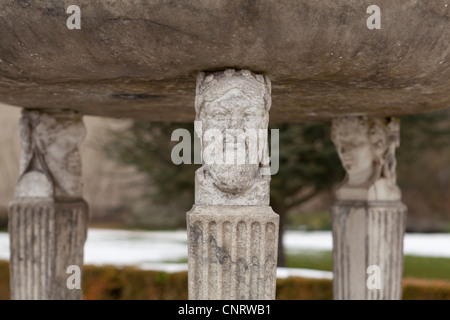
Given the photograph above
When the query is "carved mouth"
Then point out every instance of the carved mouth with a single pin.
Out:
(347, 161)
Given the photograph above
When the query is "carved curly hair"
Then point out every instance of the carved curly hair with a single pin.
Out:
(35, 137)
(224, 81)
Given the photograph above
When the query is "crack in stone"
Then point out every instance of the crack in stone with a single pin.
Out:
(194, 234)
(158, 24)
(221, 253)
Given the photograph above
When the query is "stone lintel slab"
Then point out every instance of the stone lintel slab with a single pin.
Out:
(139, 58)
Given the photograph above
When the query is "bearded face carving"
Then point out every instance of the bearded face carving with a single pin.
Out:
(50, 164)
(233, 104)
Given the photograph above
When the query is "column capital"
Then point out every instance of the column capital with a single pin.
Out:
(366, 147)
(232, 118)
(50, 164)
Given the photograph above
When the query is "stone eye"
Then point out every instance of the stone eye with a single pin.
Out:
(219, 114)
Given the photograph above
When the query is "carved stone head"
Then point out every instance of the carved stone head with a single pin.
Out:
(50, 164)
(366, 147)
(233, 103)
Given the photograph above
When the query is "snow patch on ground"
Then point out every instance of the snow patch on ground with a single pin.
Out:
(415, 244)
(161, 250)
(282, 273)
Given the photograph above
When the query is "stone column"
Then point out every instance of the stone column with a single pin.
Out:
(232, 230)
(48, 217)
(368, 218)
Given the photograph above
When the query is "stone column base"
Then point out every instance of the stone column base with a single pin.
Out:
(232, 252)
(367, 233)
(46, 237)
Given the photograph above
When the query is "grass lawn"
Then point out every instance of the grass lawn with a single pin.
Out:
(417, 267)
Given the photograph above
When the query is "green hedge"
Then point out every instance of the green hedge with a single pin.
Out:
(4, 280)
(111, 283)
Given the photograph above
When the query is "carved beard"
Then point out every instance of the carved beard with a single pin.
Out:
(234, 178)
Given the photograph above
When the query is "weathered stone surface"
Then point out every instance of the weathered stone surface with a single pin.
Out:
(368, 219)
(48, 217)
(232, 252)
(206, 193)
(50, 164)
(367, 234)
(366, 147)
(230, 107)
(232, 230)
(46, 237)
(139, 58)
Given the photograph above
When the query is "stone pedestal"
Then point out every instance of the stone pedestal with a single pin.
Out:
(46, 236)
(232, 252)
(367, 233)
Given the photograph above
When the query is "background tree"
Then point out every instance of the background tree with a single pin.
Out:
(169, 189)
(424, 170)
(308, 165)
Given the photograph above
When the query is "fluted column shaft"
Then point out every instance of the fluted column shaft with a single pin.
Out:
(367, 235)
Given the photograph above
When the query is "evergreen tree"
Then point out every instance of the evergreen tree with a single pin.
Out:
(308, 165)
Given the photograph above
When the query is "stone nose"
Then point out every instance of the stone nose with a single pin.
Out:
(233, 135)
(345, 148)
(234, 123)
